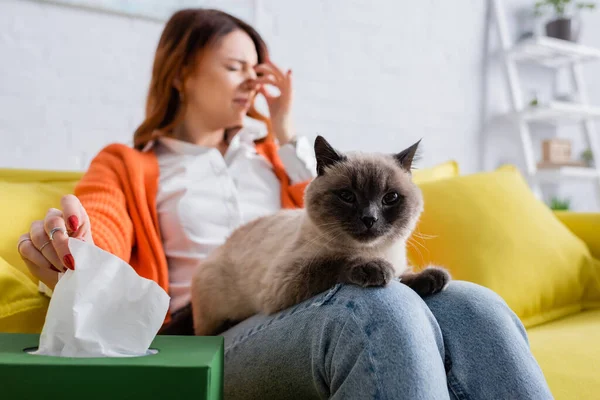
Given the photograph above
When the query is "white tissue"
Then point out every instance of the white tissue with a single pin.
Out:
(102, 309)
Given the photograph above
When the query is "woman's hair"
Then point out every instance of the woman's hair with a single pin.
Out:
(185, 34)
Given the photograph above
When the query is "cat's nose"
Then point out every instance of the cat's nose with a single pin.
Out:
(369, 221)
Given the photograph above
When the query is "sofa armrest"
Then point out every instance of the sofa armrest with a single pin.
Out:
(586, 225)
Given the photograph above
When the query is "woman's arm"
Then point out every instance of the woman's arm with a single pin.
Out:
(96, 213)
(101, 194)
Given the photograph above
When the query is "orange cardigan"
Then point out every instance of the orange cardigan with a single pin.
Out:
(119, 194)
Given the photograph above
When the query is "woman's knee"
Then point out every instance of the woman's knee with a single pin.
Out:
(471, 296)
(391, 310)
(474, 303)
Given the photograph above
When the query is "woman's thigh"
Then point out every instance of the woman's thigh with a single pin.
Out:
(347, 342)
(487, 351)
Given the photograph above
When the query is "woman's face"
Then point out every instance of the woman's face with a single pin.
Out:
(221, 87)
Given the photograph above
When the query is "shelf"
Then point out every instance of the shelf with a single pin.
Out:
(548, 175)
(557, 113)
(551, 52)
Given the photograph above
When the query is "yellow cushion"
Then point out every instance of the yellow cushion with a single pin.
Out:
(448, 169)
(22, 307)
(586, 225)
(489, 228)
(26, 196)
(568, 351)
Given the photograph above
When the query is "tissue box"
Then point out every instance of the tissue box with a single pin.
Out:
(184, 367)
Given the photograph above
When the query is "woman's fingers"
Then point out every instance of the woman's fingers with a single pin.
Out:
(75, 216)
(270, 70)
(37, 263)
(262, 90)
(267, 80)
(56, 230)
(43, 245)
(276, 69)
(284, 87)
(45, 249)
(46, 275)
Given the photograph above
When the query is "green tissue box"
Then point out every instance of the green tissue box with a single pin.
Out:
(184, 367)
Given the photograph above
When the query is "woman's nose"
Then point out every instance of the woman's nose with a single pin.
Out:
(252, 74)
(251, 83)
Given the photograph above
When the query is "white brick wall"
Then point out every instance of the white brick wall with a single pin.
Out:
(369, 75)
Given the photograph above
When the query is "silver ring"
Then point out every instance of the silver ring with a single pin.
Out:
(20, 243)
(44, 245)
(51, 234)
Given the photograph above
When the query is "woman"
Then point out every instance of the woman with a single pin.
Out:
(195, 173)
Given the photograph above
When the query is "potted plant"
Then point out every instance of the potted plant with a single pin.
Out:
(588, 157)
(557, 203)
(561, 26)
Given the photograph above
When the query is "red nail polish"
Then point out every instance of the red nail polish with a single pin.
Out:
(73, 222)
(69, 262)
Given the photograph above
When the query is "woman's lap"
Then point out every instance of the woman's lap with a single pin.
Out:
(381, 342)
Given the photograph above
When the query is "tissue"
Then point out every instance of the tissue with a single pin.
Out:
(102, 309)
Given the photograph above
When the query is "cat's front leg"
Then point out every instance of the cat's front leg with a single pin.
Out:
(365, 272)
(429, 281)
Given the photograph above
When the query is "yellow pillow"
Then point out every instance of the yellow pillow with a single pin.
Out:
(489, 228)
(448, 169)
(22, 307)
(26, 196)
(585, 225)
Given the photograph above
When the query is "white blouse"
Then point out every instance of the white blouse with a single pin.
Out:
(203, 196)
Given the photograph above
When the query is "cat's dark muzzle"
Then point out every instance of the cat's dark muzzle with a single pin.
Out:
(366, 234)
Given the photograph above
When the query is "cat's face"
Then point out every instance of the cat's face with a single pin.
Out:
(365, 198)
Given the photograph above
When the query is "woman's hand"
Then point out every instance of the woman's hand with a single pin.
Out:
(279, 105)
(45, 247)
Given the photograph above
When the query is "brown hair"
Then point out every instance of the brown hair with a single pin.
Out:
(187, 32)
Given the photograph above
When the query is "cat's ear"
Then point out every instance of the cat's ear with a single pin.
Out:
(325, 155)
(406, 157)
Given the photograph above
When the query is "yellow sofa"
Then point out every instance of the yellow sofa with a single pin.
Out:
(567, 346)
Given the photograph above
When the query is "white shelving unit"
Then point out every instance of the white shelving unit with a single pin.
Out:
(556, 113)
(552, 53)
(556, 54)
(571, 173)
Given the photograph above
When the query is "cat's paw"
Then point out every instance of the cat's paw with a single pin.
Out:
(376, 272)
(430, 281)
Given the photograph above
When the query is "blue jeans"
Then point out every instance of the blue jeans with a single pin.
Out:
(385, 343)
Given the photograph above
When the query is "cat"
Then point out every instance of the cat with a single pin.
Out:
(359, 211)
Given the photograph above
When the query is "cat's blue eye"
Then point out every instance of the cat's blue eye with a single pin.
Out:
(390, 198)
(347, 196)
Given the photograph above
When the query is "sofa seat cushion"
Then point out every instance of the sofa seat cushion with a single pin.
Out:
(568, 351)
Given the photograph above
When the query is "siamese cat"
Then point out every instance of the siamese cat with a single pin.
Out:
(359, 212)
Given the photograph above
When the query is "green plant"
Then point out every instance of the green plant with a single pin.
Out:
(560, 204)
(587, 157)
(561, 6)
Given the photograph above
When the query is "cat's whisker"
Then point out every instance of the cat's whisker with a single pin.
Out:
(421, 245)
(321, 235)
(409, 242)
(321, 248)
(415, 240)
(424, 236)
(317, 239)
